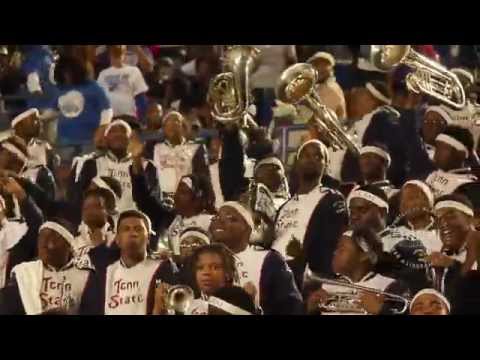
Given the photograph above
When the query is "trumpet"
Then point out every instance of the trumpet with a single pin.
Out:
(348, 301)
(429, 78)
(229, 92)
(297, 87)
(178, 298)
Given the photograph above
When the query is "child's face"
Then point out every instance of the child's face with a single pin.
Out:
(210, 273)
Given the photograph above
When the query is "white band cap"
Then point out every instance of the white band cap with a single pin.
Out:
(425, 189)
(440, 111)
(242, 211)
(374, 199)
(321, 145)
(452, 204)
(195, 233)
(457, 145)
(24, 115)
(103, 185)
(270, 161)
(431, 292)
(119, 122)
(378, 151)
(59, 229)
(377, 94)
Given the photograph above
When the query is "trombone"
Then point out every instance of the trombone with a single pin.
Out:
(348, 301)
(429, 77)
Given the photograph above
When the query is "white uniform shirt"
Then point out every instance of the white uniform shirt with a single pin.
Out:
(293, 219)
(173, 162)
(10, 234)
(127, 289)
(249, 266)
(445, 183)
(121, 86)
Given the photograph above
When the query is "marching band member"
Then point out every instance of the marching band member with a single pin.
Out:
(378, 124)
(270, 172)
(18, 239)
(355, 259)
(96, 230)
(429, 302)
(56, 281)
(403, 253)
(447, 171)
(27, 126)
(327, 87)
(194, 206)
(127, 287)
(308, 225)
(456, 256)
(374, 162)
(416, 206)
(435, 122)
(190, 239)
(265, 272)
(117, 163)
(176, 157)
(211, 267)
(14, 158)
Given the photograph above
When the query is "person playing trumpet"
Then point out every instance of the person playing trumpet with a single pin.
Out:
(355, 260)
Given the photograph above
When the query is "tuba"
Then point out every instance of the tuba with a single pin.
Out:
(297, 87)
(429, 77)
(229, 92)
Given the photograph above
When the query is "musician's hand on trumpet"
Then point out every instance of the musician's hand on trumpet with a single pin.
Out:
(160, 306)
(372, 303)
(315, 299)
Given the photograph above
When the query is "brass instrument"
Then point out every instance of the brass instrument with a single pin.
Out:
(297, 87)
(348, 301)
(429, 78)
(178, 298)
(229, 92)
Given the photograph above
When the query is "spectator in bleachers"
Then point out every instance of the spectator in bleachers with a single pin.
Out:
(124, 84)
(82, 103)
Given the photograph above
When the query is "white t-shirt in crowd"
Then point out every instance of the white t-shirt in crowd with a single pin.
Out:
(122, 85)
(272, 60)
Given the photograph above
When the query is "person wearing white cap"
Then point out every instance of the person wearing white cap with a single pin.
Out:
(271, 172)
(127, 287)
(54, 282)
(435, 121)
(194, 206)
(27, 126)
(96, 232)
(308, 225)
(376, 121)
(327, 87)
(429, 302)
(176, 156)
(355, 260)
(368, 206)
(264, 272)
(448, 169)
(374, 162)
(17, 238)
(416, 207)
(118, 163)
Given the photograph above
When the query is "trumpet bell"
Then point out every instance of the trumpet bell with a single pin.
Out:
(179, 298)
(296, 83)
